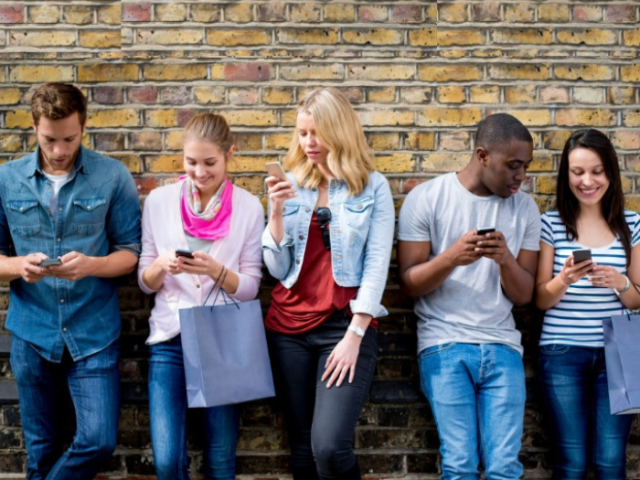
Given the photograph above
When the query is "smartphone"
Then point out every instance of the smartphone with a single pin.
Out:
(275, 170)
(581, 255)
(184, 253)
(484, 231)
(51, 262)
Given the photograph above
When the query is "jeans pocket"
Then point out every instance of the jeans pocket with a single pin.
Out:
(427, 352)
(554, 349)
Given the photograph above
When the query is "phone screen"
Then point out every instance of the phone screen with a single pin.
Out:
(184, 253)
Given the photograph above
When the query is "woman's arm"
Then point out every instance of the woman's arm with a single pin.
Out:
(277, 246)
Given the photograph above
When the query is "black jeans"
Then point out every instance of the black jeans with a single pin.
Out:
(321, 421)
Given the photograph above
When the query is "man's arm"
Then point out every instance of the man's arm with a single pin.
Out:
(76, 266)
(517, 276)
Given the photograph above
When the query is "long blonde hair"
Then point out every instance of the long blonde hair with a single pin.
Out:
(339, 130)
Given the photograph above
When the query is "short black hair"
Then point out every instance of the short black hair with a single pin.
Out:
(500, 129)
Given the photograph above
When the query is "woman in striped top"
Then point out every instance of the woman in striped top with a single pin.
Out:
(577, 296)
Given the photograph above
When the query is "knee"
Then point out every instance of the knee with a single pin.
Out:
(330, 457)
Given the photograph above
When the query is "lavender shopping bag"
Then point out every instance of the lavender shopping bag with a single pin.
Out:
(621, 338)
(225, 353)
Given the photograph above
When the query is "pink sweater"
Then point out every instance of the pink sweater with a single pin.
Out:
(240, 251)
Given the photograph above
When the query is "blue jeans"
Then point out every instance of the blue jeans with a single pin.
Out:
(574, 381)
(477, 396)
(94, 386)
(168, 419)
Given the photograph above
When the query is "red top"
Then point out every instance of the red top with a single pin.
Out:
(314, 296)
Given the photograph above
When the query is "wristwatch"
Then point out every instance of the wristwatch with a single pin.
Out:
(626, 287)
(356, 329)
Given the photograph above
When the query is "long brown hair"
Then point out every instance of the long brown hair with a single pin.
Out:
(612, 203)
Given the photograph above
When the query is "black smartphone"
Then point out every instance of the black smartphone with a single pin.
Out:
(51, 262)
(184, 253)
(484, 231)
(581, 255)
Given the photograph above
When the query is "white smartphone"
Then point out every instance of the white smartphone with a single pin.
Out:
(275, 170)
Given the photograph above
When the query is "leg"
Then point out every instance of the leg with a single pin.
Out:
(337, 409)
(501, 399)
(221, 430)
(565, 384)
(168, 410)
(94, 384)
(611, 431)
(447, 376)
(41, 385)
(294, 369)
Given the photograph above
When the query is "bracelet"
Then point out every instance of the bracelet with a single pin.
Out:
(627, 286)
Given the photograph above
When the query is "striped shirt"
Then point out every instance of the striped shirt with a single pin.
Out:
(577, 318)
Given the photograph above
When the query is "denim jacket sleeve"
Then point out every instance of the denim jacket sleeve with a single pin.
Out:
(377, 254)
(277, 258)
(5, 235)
(123, 223)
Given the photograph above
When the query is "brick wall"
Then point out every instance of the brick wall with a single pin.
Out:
(421, 75)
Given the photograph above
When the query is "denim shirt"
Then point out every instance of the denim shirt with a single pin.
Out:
(98, 213)
(361, 231)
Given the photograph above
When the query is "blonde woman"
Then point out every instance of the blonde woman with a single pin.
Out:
(221, 223)
(328, 241)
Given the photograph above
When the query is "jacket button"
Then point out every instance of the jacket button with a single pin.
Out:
(359, 207)
(307, 209)
(301, 237)
(297, 261)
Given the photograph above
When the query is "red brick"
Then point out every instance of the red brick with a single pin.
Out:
(406, 13)
(621, 13)
(143, 95)
(486, 12)
(251, 72)
(272, 12)
(12, 13)
(136, 12)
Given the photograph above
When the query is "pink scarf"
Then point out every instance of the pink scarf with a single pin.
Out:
(213, 229)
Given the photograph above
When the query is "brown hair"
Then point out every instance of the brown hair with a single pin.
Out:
(210, 127)
(56, 101)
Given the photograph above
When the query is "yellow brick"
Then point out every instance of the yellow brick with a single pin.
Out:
(546, 184)
(454, 141)
(305, 12)
(9, 96)
(632, 203)
(384, 141)
(313, 72)
(381, 72)
(161, 118)
(542, 162)
(173, 140)
(586, 117)
(589, 72)
(277, 95)
(387, 118)
(132, 162)
(631, 38)
(244, 164)
(205, 13)
(630, 73)
(382, 95)
(449, 117)
(40, 73)
(253, 184)
(556, 139)
(444, 162)
(631, 118)
(587, 36)
(19, 119)
(278, 141)
(288, 118)
(425, 37)
(415, 95)
(553, 12)
(110, 14)
(447, 38)
(533, 117)
(169, 36)
(209, 95)
(454, 12)
(399, 162)
(48, 38)
(10, 143)
(626, 140)
(107, 72)
(339, 13)
(233, 38)
(451, 94)
(248, 142)
(322, 36)
(125, 117)
(240, 13)
(251, 118)
(44, 14)
(519, 72)
(588, 95)
(621, 95)
(175, 72)
(171, 12)
(78, 15)
(164, 163)
(484, 94)
(104, 39)
(521, 36)
(520, 12)
(520, 95)
(420, 141)
(449, 73)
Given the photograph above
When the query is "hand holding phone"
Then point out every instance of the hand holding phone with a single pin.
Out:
(275, 170)
(484, 231)
(51, 262)
(581, 255)
(184, 253)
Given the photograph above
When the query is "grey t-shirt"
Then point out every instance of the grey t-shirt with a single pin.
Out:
(469, 306)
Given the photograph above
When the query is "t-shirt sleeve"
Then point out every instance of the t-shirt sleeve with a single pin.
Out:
(531, 239)
(546, 235)
(634, 226)
(413, 221)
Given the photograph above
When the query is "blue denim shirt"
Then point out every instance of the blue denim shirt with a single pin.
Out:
(361, 232)
(98, 213)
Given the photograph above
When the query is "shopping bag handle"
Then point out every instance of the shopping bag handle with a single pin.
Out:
(628, 312)
(220, 281)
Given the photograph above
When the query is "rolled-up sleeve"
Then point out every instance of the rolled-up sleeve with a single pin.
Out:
(277, 258)
(149, 249)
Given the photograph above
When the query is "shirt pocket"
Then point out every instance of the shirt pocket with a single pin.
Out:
(25, 217)
(357, 219)
(89, 215)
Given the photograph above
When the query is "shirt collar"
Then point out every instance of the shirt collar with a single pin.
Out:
(34, 164)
